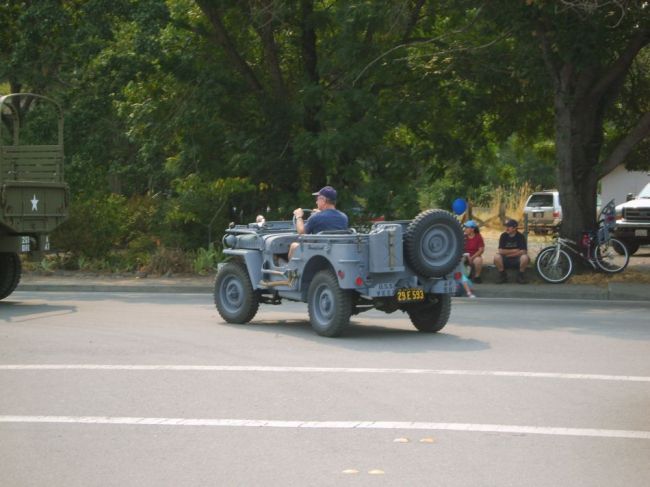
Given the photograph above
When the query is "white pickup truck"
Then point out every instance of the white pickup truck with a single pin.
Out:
(633, 221)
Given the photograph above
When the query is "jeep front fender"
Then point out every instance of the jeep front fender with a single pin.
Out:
(253, 261)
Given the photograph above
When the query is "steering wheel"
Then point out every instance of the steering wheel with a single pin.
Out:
(295, 219)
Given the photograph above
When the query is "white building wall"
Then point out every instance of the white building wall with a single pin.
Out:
(618, 183)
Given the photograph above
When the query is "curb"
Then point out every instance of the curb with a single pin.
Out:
(544, 291)
(115, 288)
(613, 291)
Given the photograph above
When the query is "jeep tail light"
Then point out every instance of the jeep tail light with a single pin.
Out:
(556, 214)
(341, 274)
(358, 281)
(457, 276)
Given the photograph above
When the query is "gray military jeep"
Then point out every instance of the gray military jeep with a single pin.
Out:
(406, 265)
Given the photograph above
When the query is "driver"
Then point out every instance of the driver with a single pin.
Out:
(323, 218)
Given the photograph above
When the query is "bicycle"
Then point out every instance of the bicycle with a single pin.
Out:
(554, 264)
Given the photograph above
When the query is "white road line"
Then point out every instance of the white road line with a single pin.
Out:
(345, 370)
(384, 425)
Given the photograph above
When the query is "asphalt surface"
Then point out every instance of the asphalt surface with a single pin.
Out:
(121, 389)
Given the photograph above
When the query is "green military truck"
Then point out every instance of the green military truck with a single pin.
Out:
(33, 194)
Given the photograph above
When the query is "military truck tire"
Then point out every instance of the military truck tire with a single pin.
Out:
(234, 296)
(329, 306)
(433, 243)
(431, 317)
(10, 271)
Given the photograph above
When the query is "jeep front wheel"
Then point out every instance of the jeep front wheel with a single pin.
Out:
(431, 317)
(329, 306)
(10, 270)
(234, 296)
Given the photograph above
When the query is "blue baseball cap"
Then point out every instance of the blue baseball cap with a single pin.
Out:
(328, 192)
(470, 224)
(512, 223)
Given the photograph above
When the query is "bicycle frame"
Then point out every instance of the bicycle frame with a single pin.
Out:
(555, 263)
(574, 248)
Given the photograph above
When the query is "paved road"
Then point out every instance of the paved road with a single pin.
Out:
(151, 389)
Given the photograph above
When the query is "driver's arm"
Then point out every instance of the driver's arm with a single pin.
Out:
(300, 223)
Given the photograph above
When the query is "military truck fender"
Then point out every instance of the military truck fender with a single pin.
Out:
(251, 259)
(433, 243)
(10, 244)
(315, 265)
(10, 271)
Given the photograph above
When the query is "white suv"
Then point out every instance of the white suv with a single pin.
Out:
(543, 211)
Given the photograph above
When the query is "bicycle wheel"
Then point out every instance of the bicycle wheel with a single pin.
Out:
(554, 265)
(611, 256)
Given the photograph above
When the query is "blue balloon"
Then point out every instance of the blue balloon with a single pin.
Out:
(459, 206)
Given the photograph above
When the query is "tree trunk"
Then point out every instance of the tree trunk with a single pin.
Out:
(578, 139)
(583, 93)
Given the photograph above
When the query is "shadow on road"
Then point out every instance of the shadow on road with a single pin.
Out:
(18, 312)
(369, 338)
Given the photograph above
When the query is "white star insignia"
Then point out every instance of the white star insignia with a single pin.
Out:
(34, 203)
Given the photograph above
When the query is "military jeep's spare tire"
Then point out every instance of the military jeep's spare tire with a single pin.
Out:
(433, 244)
(10, 270)
(234, 296)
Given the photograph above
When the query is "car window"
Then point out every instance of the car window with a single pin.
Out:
(538, 200)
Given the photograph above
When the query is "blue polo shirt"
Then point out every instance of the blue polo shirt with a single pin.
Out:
(330, 219)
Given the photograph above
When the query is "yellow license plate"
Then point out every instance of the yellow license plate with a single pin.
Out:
(409, 294)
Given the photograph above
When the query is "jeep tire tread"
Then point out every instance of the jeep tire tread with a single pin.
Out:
(234, 296)
(10, 271)
(431, 317)
(433, 243)
(329, 306)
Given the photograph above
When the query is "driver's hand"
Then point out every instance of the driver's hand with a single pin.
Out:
(298, 213)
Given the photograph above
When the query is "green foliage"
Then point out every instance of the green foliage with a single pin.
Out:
(200, 210)
(205, 261)
(172, 133)
(96, 225)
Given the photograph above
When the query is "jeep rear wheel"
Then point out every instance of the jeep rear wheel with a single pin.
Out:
(329, 306)
(433, 243)
(234, 296)
(431, 317)
(10, 271)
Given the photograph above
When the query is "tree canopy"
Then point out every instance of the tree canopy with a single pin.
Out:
(212, 105)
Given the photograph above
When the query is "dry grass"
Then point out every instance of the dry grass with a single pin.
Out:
(506, 203)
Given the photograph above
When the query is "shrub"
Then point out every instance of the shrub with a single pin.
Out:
(205, 260)
(95, 226)
(165, 261)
